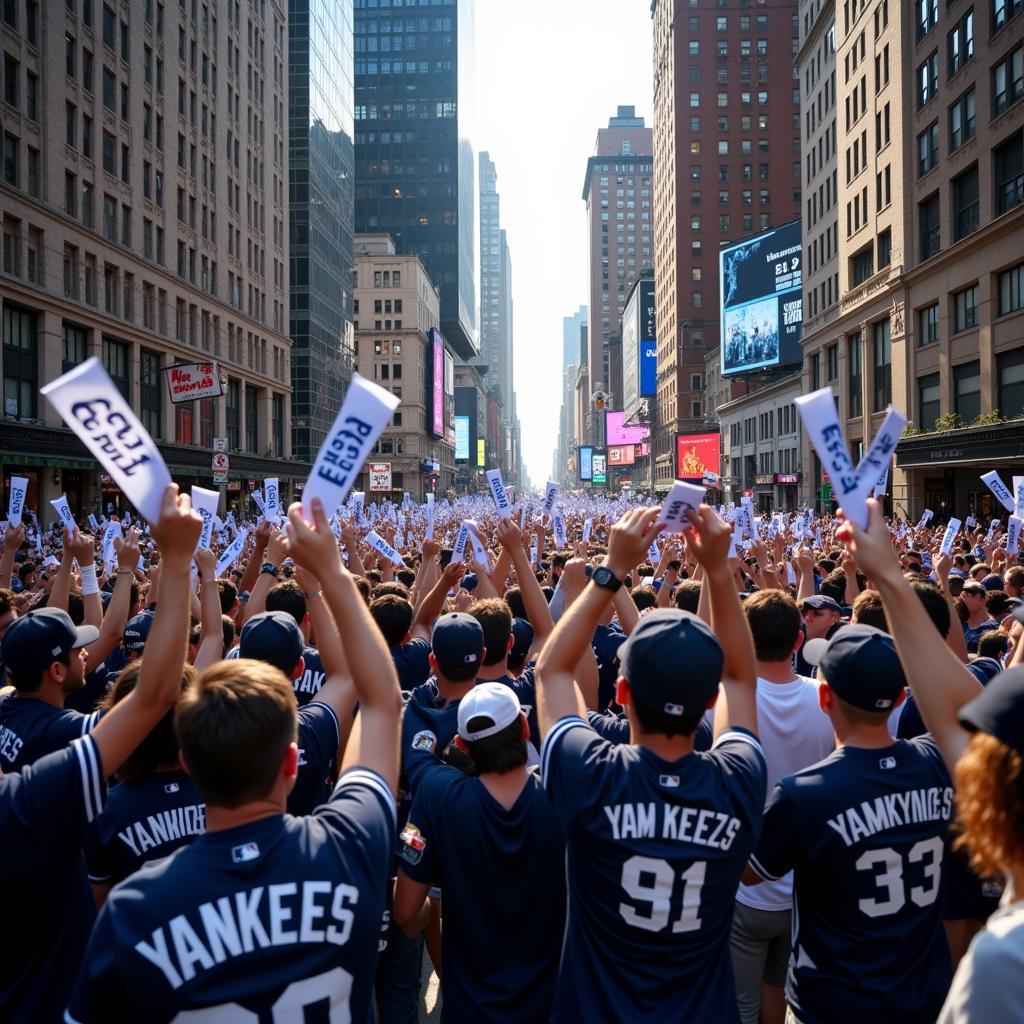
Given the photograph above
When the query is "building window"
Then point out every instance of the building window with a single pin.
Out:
(965, 309)
(1008, 161)
(962, 120)
(1010, 375)
(928, 404)
(815, 368)
(862, 265)
(927, 16)
(277, 424)
(232, 410)
(928, 148)
(1011, 290)
(966, 203)
(883, 365)
(853, 369)
(928, 79)
(11, 159)
(884, 248)
(961, 43)
(117, 362)
(832, 362)
(151, 392)
(1008, 80)
(928, 325)
(21, 363)
(928, 224)
(1003, 11)
(967, 391)
(251, 404)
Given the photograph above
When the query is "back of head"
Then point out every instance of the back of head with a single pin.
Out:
(935, 605)
(228, 628)
(406, 577)
(495, 618)
(393, 588)
(514, 600)
(834, 585)
(644, 597)
(287, 596)
(775, 622)
(868, 610)
(1014, 577)
(993, 644)
(500, 753)
(393, 615)
(687, 596)
(234, 726)
(159, 750)
(228, 595)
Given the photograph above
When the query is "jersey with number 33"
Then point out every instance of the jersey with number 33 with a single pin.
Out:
(864, 832)
(655, 853)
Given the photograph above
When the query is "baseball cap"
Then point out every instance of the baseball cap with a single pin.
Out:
(273, 637)
(522, 632)
(457, 639)
(861, 665)
(999, 709)
(974, 587)
(32, 642)
(1000, 603)
(495, 702)
(993, 581)
(672, 662)
(136, 631)
(821, 603)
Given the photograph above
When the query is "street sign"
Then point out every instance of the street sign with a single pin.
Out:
(220, 444)
(826, 492)
(380, 476)
(220, 462)
(220, 478)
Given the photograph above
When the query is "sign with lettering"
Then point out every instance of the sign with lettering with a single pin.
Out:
(994, 483)
(271, 498)
(380, 476)
(952, 529)
(380, 545)
(64, 511)
(549, 497)
(16, 504)
(558, 528)
(429, 535)
(231, 553)
(205, 502)
(498, 492)
(365, 413)
(681, 498)
(459, 547)
(193, 380)
(1013, 527)
(91, 405)
(588, 526)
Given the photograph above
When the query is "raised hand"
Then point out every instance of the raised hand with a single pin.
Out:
(207, 562)
(177, 530)
(315, 549)
(128, 550)
(871, 547)
(630, 538)
(711, 538)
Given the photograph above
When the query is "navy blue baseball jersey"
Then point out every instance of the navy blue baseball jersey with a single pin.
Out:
(500, 963)
(412, 663)
(615, 729)
(274, 920)
(606, 643)
(47, 908)
(97, 682)
(525, 688)
(864, 833)
(144, 820)
(319, 738)
(429, 725)
(656, 850)
(307, 685)
(31, 728)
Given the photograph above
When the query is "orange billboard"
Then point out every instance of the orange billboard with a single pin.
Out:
(697, 454)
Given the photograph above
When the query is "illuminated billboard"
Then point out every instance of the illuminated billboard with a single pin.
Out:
(436, 393)
(760, 283)
(616, 431)
(697, 454)
(639, 348)
(586, 462)
(462, 439)
(621, 455)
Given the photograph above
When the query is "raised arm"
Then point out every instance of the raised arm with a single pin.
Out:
(252, 567)
(277, 547)
(373, 671)
(61, 589)
(940, 682)
(557, 695)
(211, 632)
(536, 605)
(116, 616)
(432, 604)
(350, 536)
(804, 565)
(121, 730)
(955, 637)
(586, 674)
(14, 537)
(737, 705)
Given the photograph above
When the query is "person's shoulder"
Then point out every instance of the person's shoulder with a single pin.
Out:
(174, 874)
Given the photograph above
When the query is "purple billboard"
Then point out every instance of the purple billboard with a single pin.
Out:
(437, 376)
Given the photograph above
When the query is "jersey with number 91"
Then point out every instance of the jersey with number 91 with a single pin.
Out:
(655, 853)
(272, 922)
(864, 832)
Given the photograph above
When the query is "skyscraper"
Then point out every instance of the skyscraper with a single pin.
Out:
(617, 190)
(571, 338)
(415, 161)
(726, 165)
(495, 289)
(320, 198)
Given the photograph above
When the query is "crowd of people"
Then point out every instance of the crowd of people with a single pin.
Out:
(593, 773)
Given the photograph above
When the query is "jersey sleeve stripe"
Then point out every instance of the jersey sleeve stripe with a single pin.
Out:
(89, 722)
(368, 778)
(557, 730)
(68, 1019)
(334, 718)
(743, 737)
(92, 775)
(762, 870)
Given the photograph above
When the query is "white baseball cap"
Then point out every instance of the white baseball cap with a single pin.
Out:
(493, 701)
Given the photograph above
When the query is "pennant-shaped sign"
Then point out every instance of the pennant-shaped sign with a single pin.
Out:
(681, 498)
(16, 504)
(952, 529)
(498, 492)
(994, 483)
(205, 501)
(379, 544)
(231, 553)
(271, 498)
(64, 511)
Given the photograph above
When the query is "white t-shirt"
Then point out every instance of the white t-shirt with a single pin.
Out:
(795, 733)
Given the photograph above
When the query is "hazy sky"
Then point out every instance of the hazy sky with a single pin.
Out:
(549, 74)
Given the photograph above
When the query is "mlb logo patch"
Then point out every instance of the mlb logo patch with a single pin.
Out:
(671, 781)
(424, 740)
(674, 709)
(887, 762)
(244, 853)
(413, 844)
(171, 787)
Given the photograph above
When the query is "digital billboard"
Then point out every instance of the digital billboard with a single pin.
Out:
(697, 454)
(586, 462)
(437, 383)
(481, 452)
(621, 455)
(600, 469)
(639, 348)
(448, 418)
(616, 432)
(760, 283)
(462, 439)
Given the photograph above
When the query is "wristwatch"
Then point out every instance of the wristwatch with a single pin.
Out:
(605, 578)
(269, 567)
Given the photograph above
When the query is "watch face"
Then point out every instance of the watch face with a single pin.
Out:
(603, 576)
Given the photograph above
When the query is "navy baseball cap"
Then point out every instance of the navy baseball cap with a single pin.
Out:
(672, 662)
(273, 637)
(457, 639)
(34, 641)
(136, 631)
(522, 632)
(861, 665)
(993, 581)
(999, 709)
(821, 603)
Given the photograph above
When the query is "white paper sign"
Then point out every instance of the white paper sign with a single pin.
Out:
(498, 492)
(64, 511)
(681, 498)
(430, 517)
(16, 504)
(549, 498)
(459, 547)
(993, 526)
(479, 551)
(588, 526)
(205, 501)
(926, 517)
(1018, 496)
(230, 554)
(257, 496)
(113, 531)
(358, 504)
(883, 482)
(272, 498)
(526, 515)
(653, 554)
(365, 413)
(558, 528)
(378, 543)
(91, 405)
(93, 524)
(1013, 528)
(994, 483)
(952, 529)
